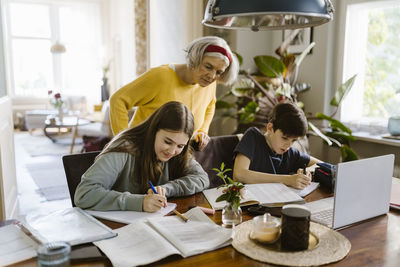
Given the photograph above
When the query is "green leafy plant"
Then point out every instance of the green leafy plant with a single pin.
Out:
(337, 134)
(256, 94)
(231, 192)
(276, 80)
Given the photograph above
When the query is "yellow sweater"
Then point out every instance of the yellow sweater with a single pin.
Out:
(156, 87)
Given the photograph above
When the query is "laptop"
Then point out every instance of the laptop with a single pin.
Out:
(362, 191)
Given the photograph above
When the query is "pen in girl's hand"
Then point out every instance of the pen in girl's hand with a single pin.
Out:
(155, 191)
(152, 187)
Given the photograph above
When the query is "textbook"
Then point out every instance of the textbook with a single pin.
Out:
(71, 225)
(148, 241)
(262, 194)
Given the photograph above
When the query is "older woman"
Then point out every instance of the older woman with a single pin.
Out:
(208, 60)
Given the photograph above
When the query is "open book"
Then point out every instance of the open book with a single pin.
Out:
(158, 237)
(71, 225)
(263, 194)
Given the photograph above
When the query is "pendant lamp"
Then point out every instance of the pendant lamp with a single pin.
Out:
(267, 14)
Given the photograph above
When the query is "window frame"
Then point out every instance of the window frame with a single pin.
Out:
(346, 67)
(55, 33)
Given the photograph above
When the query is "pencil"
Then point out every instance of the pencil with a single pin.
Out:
(180, 215)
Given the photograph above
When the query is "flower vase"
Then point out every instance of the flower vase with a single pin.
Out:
(231, 215)
(60, 114)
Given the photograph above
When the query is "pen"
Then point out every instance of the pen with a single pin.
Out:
(175, 211)
(152, 187)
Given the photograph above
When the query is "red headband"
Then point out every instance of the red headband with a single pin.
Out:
(218, 49)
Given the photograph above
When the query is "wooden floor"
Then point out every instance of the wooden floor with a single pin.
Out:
(29, 199)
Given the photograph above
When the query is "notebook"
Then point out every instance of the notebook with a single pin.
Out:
(362, 191)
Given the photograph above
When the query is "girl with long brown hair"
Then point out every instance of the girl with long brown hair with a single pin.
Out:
(156, 150)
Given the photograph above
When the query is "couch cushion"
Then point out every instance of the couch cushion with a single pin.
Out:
(219, 149)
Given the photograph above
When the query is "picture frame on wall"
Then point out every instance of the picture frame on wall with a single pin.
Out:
(300, 42)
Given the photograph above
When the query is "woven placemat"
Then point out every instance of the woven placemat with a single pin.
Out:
(332, 247)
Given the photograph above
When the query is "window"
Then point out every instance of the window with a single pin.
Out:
(34, 26)
(372, 38)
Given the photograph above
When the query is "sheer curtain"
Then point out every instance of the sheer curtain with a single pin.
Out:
(34, 26)
(172, 25)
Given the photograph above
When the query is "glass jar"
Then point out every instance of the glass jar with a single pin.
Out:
(54, 254)
(231, 215)
(266, 229)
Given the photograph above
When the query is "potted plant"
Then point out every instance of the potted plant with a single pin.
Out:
(231, 213)
(276, 80)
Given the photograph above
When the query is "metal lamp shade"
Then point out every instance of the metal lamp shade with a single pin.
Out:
(267, 14)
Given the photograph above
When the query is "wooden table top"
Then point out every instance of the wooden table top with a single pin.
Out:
(374, 242)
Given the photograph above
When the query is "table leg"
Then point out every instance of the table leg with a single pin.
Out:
(74, 134)
(47, 134)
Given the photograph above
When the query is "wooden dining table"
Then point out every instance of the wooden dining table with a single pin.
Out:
(374, 242)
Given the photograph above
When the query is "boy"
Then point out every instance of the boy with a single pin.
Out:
(268, 157)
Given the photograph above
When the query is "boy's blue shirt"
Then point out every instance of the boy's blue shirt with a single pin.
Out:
(262, 159)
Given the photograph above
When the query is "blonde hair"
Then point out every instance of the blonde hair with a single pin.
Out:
(195, 53)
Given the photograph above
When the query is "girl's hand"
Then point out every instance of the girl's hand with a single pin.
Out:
(153, 202)
(202, 139)
(300, 180)
(160, 191)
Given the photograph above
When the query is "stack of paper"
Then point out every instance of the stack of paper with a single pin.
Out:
(15, 246)
(71, 225)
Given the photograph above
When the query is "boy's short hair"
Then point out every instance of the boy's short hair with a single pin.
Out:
(290, 119)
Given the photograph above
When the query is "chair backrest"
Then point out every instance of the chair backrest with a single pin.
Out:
(219, 149)
(75, 166)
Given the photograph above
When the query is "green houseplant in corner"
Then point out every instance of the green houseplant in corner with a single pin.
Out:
(276, 80)
(231, 213)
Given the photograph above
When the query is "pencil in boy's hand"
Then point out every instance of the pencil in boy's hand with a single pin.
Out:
(180, 215)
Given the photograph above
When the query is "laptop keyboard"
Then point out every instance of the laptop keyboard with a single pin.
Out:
(322, 211)
(324, 217)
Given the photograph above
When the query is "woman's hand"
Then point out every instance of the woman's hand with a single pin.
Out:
(202, 139)
(300, 179)
(153, 202)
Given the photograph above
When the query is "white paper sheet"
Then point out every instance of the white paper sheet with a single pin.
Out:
(130, 216)
(307, 190)
(15, 246)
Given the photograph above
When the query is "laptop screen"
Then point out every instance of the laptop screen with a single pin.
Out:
(362, 189)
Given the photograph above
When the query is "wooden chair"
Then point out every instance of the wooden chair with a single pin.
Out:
(75, 166)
